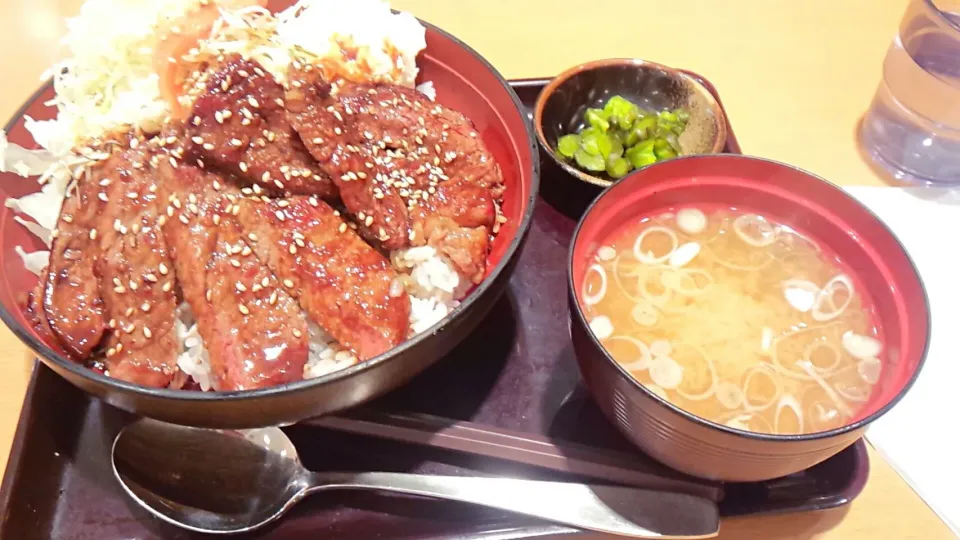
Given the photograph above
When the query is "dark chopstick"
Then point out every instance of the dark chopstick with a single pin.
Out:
(436, 432)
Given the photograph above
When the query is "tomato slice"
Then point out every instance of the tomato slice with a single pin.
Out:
(176, 38)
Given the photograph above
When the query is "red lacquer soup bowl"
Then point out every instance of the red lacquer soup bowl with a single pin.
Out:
(465, 82)
(803, 201)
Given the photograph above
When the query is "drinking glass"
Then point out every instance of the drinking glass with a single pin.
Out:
(912, 129)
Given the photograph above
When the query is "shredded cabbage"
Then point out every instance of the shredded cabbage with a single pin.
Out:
(34, 262)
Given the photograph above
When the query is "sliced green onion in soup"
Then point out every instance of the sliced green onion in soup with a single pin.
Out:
(691, 220)
(755, 230)
(860, 346)
(840, 283)
(647, 256)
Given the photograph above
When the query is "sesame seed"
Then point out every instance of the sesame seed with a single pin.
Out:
(283, 203)
(101, 196)
(342, 228)
(278, 183)
(163, 269)
(368, 221)
(67, 218)
(216, 219)
(147, 333)
(236, 209)
(252, 237)
(243, 309)
(105, 182)
(167, 286)
(151, 278)
(208, 146)
(196, 120)
(288, 283)
(241, 287)
(236, 142)
(313, 201)
(337, 116)
(235, 263)
(297, 333)
(253, 102)
(279, 215)
(317, 140)
(133, 285)
(246, 251)
(183, 219)
(273, 298)
(299, 242)
(208, 295)
(119, 347)
(243, 166)
(119, 290)
(293, 249)
(93, 234)
(197, 140)
(338, 131)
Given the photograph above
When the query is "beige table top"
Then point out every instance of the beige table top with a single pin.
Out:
(794, 75)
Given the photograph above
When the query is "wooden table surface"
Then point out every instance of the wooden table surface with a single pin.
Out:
(794, 75)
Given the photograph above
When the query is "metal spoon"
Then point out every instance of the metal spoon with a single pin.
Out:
(230, 482)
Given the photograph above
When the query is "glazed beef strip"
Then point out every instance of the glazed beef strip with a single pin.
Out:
(343, 284)
(254, 331)
(71, 298)
(412, 172)
(132, 265)
(238, 124)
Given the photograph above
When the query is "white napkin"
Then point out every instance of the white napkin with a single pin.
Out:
(918, 437)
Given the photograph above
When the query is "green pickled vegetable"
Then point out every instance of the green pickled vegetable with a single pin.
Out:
(663, 150)
(641, 157)
(598, 119)
(621, 137)
(668, 117)
(616, 147)
(590, 140)
(618, 167)
(590, 162)
(621, 111)
(568, 145)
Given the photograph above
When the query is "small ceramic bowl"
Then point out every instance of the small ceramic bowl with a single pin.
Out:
(560, 108)
(887, 276)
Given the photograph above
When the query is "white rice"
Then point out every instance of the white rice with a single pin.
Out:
(107, 81)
